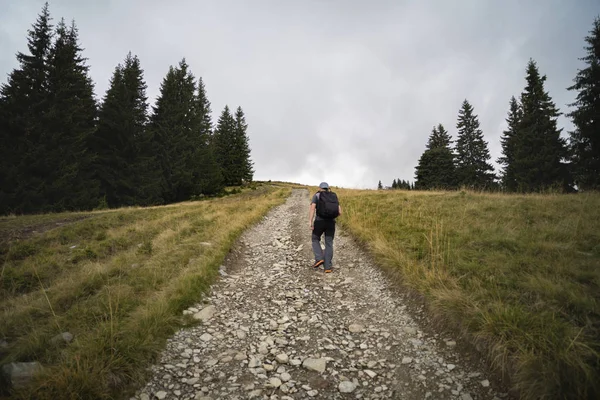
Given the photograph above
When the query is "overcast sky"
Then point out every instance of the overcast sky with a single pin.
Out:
(345, 91)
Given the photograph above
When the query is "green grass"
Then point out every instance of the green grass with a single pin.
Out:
(517, 275)
(118, 281)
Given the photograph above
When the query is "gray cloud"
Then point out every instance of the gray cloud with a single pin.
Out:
(344, 91)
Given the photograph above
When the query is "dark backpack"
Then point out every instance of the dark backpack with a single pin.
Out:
(328, 206)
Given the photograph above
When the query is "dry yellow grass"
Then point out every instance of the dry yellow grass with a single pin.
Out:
(118, 280)
(517, 273)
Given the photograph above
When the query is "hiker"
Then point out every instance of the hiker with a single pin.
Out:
(327, 208)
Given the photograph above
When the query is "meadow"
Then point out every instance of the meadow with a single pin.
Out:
(117, 280)
(517, 276)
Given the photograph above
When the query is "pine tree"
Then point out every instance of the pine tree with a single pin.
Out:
(243, 164)
(508, 142)
(122, 121)
(435, 169)
(174, 136)
(23, 102)
(585, 139)
(379, 186)
(394, 184)
(225, 147)
(208, 173)
(538, 147)
(68, 127)
(472, 154)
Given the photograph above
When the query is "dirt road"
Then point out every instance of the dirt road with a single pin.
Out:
(275, 329)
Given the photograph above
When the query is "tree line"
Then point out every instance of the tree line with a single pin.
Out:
(534, 156)
(61, 150)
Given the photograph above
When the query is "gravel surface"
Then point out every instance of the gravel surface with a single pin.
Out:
(272, 328)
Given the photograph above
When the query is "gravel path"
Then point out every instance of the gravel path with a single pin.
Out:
(272, 328)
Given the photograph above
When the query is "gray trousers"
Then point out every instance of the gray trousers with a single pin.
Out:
(326, 226)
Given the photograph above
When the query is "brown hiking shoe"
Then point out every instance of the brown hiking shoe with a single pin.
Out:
(317, 264)
(328, 271)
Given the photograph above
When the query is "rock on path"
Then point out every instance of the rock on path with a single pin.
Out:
(276, 329)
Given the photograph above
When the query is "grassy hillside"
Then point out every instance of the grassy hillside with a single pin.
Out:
(519, 275)
(117, 280)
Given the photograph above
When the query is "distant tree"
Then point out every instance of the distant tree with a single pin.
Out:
(472, 154)
(23, 103)
(539, 150)
(585, 139)
(394, 184)
(379, 186)
(122, 122)
(508, 142)
(435, 169)
(174, 129)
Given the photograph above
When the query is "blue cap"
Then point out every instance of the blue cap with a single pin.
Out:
(324, 185)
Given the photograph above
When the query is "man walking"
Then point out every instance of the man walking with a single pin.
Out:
(327, 207)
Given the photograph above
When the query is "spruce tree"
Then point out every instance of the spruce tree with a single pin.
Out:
(379, 186)
(173, 125)
(538, 147)
(23, 103)
(121, 125)
(242, 162)
(472, 154)
(208, 173)
(508, 142)
(225, 147)
(435, 169)
(68, 127)
(394, 184)
(585, 139)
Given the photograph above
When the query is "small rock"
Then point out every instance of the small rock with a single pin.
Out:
(255, 393)
(450, 343)
(282, 358)
(410, 330)
(450, 367)
(206, 337)
(406, 360)
(285, 377)
(315, 364)
(346, 387)
(370, 373)
(160, 395)
(485, 383)
(19, 374)
(205, 314)
(144, 396)
(466, 396)
(274, 382)
(61, 338)
(312, 393)
(356, 328)
(254, 363)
